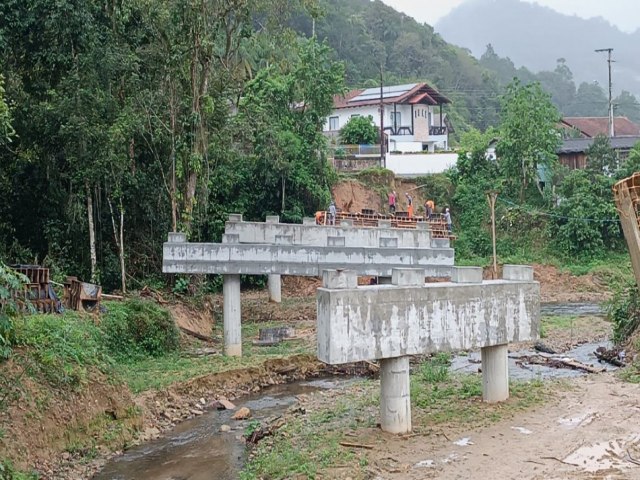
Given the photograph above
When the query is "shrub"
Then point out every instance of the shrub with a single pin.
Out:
(359, 131)
(10, 283)
(62, 346)
(139, 327)
(623, 310)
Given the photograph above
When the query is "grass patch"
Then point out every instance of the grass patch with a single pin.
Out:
(155, 373)
(308, 445)
(8, 472)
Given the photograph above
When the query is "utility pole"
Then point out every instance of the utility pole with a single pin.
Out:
(383, 162)
(491, 197)
(612, 130)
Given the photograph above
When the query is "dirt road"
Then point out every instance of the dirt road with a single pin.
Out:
(592, 431)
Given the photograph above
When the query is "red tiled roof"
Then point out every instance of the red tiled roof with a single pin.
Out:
(420, 93)
(593, 126)
(340, 101)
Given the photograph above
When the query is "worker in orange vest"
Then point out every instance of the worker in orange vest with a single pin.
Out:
(409, 204)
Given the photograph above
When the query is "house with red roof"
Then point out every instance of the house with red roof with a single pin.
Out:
(590, 127)
(413, 116)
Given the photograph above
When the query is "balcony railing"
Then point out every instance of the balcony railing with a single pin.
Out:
(437, 130)
(399, 130)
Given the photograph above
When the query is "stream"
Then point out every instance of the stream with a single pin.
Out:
(196, 449)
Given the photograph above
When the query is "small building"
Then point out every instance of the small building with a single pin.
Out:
(573, 151)
(413, 116)
(591, 127)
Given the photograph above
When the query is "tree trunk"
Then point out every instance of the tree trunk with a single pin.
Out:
(118, 236)
(92, 234)
(283, 190)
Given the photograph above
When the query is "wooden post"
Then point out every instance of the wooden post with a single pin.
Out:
(492, 196)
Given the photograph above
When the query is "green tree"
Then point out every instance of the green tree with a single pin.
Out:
(601, 158)
(586, 219)
(6, 131)
(590, 101)
(529, 135)
(359, 131)
(627, 105)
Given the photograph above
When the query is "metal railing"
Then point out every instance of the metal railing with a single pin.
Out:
(437, 130)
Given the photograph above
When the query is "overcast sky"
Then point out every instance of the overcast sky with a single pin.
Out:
(625, 14)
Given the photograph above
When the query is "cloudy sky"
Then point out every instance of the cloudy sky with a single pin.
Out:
(625, 14)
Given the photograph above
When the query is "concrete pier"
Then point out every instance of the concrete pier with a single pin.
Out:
(495, 373)
(395, 399)
(231, 309)
(408, 317)
(274, 281)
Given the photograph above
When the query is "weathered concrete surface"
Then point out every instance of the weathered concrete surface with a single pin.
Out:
(395, 395)
(386, 321)
(228, 258)
(317, 235)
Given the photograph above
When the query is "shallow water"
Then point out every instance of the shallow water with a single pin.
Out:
(577, 309)
(196, 449)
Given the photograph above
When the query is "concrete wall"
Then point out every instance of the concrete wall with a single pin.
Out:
(416, 165)
(317, 235)
(386, 321)
(210, 258)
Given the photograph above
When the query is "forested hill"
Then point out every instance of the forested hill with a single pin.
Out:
(366, 34)
(535, 36)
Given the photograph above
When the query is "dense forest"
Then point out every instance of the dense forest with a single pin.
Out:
(125, 120)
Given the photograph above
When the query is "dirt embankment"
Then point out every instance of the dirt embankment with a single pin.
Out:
(353, 196)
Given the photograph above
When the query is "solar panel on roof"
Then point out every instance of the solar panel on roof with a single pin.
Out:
(387, 92)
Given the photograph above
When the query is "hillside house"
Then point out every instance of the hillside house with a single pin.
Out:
(573, 151)
(590, 127)
(413, 117)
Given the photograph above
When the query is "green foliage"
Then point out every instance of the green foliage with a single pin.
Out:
(6, 131)
(359, 131)
(181, 286)
(601, 158)
(435, 369)
(623, 310)
(529, 135)
(9, 472)
(138, 327)
(585, 222)
(62, 347)
(11, 286)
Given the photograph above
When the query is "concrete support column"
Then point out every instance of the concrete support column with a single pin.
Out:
(495, 373)
(274, 284)
(231, 312)
(395, 400)
(274, 281)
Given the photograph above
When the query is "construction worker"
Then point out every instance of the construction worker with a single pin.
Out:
(429, 207)
(447, 218)
(392, 202)
(409, 204)
(332, 213)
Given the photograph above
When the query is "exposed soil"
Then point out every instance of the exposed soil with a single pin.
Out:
(196, 320)
(352, 196)
(585, 432)
(41, 422)
(557, 286)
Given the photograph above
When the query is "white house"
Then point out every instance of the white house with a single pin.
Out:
(413, 118)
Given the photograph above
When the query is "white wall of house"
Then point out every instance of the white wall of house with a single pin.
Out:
(420, 164)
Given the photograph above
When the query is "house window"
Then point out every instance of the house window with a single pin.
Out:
(396, 119)
(334, 123)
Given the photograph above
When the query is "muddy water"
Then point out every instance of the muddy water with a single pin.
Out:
(197, 450)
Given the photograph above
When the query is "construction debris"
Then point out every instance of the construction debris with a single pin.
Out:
(82, 296)
(38, 292)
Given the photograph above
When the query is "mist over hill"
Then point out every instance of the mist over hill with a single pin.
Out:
(535, 37)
